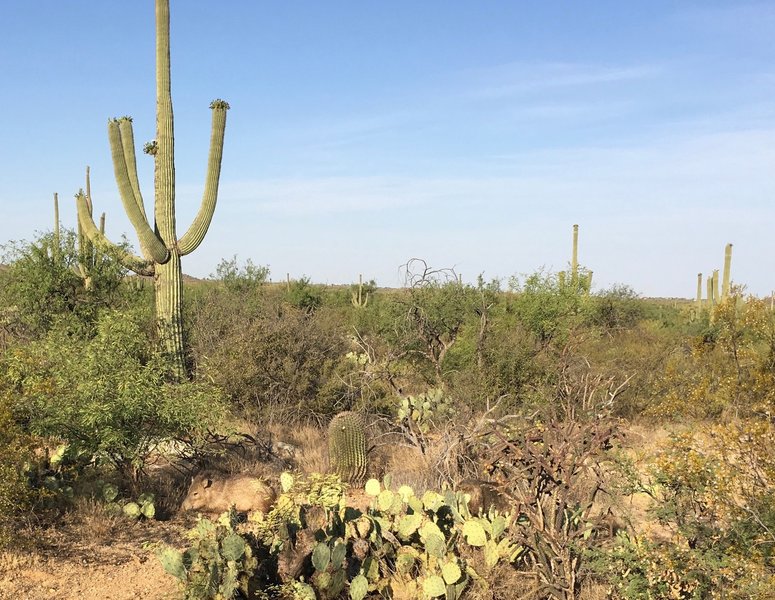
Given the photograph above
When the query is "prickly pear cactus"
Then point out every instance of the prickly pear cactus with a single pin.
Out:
(402, 546)
(217, 566)
(347, 446)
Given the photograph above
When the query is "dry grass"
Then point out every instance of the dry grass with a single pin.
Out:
(169, 488)
(311, 455)
(88, 520)
(594, 591)
(406, 466)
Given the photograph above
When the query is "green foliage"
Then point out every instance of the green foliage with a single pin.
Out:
(547, 308)
(435, 314)
(347, 446)
(616, 308)
(217, 566)
(246, 279)
(304, 295)
(269, 357)
(44, 285)
(711, 491)
(727, 368)
(15, 451)
(106, 396)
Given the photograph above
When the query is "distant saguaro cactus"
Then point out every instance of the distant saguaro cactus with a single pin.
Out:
(699, 290)
(709, 281)
(727, 271)
(57, 228)
(160, 246)
(347, 446)
(574, 262)
(87, 253)
(358, 299)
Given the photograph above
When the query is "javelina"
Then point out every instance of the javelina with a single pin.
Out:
(215, 494)
(483, 495)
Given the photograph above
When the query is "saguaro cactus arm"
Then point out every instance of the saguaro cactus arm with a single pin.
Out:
(164, 159)
(152, 247)
(196, 232)
(85, 220)
(128, 144)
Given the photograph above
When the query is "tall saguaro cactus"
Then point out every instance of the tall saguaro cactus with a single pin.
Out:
(160, 247)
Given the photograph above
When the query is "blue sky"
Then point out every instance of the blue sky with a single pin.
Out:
(470, 134)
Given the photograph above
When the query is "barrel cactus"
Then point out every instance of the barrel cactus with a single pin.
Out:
(347, 446)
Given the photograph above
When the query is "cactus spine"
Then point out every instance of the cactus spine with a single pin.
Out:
(347, 446)
(727, 271)
(160, 247)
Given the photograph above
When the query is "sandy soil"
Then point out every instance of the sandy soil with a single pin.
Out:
(65, 567)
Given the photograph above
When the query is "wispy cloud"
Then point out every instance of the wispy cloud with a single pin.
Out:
(673, 196)
(521, 78)
(670, 171)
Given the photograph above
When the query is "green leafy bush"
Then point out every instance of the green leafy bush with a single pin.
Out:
(14, 453)
(547, 307)
(245, 279)
(712, 492)
(107, 397)
(616, 308)
(304, 295)
(727, 369)
(270, 357)
(45, 285)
